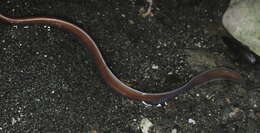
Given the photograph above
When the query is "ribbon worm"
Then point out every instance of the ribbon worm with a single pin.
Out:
(111, 79)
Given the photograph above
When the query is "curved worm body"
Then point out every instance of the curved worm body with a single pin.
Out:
(110, 78)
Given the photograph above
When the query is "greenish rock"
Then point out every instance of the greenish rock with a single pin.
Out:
(242, 21)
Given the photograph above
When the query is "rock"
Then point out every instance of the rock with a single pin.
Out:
(236, 114)
(145, 125)
(242, 21)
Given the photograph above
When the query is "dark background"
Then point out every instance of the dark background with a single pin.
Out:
(49, 83)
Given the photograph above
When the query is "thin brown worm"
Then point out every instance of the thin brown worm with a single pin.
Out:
(111, 79)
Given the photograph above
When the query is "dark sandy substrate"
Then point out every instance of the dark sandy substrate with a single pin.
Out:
(49, 83)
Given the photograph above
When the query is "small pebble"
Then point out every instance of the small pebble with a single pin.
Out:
(191, 121)
(174, 130)
(155, 66)
(235, 114)
(131, 22)
(145, 125)
(48, 28)
(123, 15)
(37, 100)
(198, 44)
(146, 104)
(13, 121)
